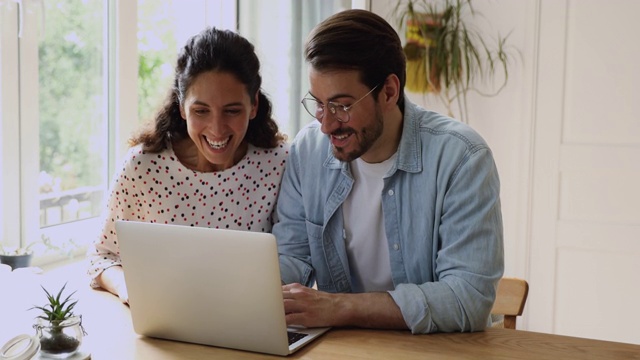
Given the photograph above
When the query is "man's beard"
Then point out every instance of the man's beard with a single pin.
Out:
(365, 138)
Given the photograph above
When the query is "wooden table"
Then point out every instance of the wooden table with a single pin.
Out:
(111, 336)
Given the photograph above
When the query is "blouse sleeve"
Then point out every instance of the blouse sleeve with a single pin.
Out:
(105, 250)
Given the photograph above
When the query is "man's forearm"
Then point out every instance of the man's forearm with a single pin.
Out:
(369, 310)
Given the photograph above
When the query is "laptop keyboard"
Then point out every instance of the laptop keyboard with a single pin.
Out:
(295, 336)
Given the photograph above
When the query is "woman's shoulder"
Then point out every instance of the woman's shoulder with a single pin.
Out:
(281, 151)
(137, 153)
(264, 161)
(137, 157)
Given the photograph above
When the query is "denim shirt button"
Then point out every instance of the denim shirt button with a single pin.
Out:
(396, 246)
(390, 193)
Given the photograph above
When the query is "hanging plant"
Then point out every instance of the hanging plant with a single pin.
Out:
(422, 35)
(446, 56)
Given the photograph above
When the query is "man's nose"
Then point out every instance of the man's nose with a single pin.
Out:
(328, 123)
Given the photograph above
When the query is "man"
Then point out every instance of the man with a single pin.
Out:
(392, 210)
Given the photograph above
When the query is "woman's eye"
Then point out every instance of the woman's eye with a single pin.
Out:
(200, 111)
(233, 111)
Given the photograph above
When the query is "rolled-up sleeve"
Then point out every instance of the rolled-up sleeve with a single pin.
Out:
(468, 254)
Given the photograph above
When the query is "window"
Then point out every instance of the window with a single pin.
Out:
(279, 39)
(163, 28)
(74, 84)
(54, 112)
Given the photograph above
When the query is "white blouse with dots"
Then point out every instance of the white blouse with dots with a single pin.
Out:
(158, 188)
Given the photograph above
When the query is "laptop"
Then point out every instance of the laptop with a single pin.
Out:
(207, 286)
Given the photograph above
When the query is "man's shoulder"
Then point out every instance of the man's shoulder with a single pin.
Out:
(310, 140)
(309, 131)
(435, 127)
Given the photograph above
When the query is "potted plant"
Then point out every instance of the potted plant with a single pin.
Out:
(446, 55)
(59, 330)
(16, 257)
(19, 257)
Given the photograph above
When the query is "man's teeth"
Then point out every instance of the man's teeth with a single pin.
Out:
(218, 144)
(341, 137)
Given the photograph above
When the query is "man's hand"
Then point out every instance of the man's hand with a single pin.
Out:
(309, 307)
(312, 308)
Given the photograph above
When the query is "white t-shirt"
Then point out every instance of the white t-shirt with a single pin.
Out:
(365, 237)
(159, 188)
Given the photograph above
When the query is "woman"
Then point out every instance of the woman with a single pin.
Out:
(212, 158)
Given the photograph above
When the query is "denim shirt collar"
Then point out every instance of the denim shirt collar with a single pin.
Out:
(409, 157)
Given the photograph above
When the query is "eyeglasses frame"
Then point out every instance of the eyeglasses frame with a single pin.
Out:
(335, 105)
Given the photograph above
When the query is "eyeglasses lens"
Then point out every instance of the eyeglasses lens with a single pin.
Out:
(316, 109)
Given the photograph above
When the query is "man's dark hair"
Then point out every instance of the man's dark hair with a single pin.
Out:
(358, 40)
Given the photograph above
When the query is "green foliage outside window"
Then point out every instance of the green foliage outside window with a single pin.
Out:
(157, 49)
(71, 96)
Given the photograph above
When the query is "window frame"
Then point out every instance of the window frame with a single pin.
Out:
(19, 118)
(9, 119)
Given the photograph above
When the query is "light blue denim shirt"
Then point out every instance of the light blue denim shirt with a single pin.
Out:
(442, 218)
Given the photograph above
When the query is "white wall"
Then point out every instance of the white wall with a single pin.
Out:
(566, 138)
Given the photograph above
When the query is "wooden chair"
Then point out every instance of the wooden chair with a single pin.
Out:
(510, 299)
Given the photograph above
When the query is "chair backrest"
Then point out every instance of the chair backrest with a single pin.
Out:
(510, 299)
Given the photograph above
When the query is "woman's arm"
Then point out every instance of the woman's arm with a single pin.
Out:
(112, 280)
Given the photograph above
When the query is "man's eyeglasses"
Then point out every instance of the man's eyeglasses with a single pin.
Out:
(340, 112)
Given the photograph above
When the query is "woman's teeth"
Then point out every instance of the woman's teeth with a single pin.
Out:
(218, 144)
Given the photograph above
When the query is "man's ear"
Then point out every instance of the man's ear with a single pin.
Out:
(390, 92)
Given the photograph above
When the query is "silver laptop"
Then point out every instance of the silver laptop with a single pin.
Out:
(207, 286)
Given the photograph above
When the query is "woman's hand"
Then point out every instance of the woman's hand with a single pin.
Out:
(112, 280)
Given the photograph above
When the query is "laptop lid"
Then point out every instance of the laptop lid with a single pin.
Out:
(207, 286)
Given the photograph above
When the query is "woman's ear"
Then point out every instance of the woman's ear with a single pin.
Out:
(254, 106)
(182, 112)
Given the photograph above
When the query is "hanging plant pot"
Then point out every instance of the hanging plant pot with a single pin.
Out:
(447, 56)
(423, 71)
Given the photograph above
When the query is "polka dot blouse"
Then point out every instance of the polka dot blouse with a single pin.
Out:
(158, 188)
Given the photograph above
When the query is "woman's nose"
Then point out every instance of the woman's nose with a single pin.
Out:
(217, 125)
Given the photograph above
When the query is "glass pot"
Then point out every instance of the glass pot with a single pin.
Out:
(60, 340)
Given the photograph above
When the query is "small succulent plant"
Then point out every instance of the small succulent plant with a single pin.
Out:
(59, 330)
(57, 311)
